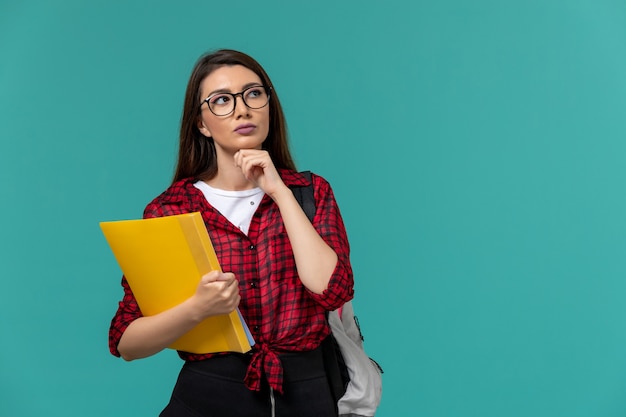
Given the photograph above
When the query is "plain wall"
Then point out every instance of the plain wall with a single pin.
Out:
(476, 149)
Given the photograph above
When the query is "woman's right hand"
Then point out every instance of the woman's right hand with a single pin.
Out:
(217, 293)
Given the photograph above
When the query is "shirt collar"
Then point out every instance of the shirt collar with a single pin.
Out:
(183, 189)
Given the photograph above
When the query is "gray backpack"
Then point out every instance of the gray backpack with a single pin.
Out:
(355, 378)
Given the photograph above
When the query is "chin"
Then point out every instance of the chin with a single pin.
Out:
(247, 142)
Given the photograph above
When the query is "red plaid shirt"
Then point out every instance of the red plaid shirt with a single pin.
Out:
(282, 314)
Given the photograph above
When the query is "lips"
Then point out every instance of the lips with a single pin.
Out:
(245, 129)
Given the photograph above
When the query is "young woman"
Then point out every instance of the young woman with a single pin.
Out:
(282, 271)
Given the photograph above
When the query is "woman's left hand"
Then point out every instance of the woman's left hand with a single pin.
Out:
(257, 167)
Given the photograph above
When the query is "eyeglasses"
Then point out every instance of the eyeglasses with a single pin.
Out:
(222, 104)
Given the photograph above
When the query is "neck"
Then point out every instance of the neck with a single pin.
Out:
(229, 177)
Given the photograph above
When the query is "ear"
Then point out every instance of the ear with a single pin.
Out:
(203, 129)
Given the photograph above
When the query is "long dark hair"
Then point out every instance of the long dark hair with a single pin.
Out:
(196, 153)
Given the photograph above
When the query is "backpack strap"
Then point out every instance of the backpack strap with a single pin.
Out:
(335, 367)
(305, 197)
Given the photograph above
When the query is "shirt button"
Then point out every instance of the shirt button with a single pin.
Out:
(251, 247)
(257, 328)
(253, 284)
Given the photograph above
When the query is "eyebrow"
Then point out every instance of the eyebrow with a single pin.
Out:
(227, 90)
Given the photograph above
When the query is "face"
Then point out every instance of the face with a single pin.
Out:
(244, 127)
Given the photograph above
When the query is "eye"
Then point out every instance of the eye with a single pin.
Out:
(255, 92)
(220, 100)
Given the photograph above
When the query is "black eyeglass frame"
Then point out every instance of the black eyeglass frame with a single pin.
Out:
(268, 91)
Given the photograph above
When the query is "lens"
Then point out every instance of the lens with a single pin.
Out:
(222, 104)
(255, 97)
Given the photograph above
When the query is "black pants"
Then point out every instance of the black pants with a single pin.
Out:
(215, 387)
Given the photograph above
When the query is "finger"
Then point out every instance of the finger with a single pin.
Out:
(244, 163)
(210, 277)
(226, 276)
(238, 158)
(232, 285)
(246, 154)
(253, 166)
(243, 154)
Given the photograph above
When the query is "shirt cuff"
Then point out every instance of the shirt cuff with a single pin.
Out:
(340, 289)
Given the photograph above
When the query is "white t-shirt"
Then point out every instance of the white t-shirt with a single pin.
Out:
(237, 206)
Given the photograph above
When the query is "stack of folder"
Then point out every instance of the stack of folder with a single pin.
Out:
(163, 260)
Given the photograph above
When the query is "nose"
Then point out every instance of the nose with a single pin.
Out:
(240, 105)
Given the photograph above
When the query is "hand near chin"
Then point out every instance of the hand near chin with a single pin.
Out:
(257, 167)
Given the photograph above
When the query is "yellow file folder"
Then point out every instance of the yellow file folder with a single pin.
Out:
(163, 260)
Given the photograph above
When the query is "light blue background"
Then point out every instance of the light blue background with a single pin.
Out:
(476, 149)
